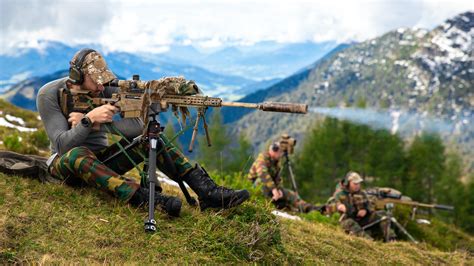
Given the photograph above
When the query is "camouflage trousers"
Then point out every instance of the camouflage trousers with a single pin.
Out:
(290, 200)
(80, 165)
(354, 226)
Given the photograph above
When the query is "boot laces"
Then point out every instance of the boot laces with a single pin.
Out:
(210, 183)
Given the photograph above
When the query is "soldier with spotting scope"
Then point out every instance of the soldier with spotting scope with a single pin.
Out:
(266, 170)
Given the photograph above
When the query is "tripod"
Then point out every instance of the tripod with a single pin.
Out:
(290, 170)
(292, 176)
(149, 180)
(390, 220)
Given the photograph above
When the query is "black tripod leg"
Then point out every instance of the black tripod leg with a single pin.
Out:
(399, 226)
(386, 229)
(153, 138)
(374, 222)
(150, 224)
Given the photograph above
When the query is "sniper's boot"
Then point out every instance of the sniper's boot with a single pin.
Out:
(308, 207)
(172, 205)
(210, 195)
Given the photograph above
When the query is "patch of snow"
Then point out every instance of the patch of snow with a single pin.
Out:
(403, 63)
(401, 30)
(454, 44)
(5, 123)
(28, 92)
(165, 179)
(421, 33)
(446, 26)
(286, 215)
(406, 43)
(12, 118)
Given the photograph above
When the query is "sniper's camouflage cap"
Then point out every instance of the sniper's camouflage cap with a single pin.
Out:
(95, 65)
(354, 177)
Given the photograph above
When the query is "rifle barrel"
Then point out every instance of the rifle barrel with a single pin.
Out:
(418, 204)
(444, 207)
(272, 106)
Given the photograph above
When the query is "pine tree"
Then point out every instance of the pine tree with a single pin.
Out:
(425, 166)
(241, 156)
(467, 208)
(449, 189)
(319, 164)
(333, 148)
(386, 158)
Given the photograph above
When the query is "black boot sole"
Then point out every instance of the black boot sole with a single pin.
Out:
(245, 195)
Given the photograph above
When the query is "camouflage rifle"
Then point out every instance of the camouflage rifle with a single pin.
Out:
(383, 196)
(135, 98)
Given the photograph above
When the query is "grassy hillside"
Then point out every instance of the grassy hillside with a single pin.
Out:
(48, 223)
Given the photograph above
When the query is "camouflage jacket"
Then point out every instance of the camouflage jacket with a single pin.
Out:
(353, 201)
(265, 171)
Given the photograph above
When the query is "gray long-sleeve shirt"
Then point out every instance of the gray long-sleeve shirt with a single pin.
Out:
(62, 136)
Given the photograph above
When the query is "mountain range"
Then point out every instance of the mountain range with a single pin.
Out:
(212, 71)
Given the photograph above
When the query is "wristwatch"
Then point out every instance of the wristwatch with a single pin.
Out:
(86, 121)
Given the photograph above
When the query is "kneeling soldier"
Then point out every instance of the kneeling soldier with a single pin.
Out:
(266, 170)
(354, 205)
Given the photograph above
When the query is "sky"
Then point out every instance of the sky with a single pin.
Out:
(152, 26)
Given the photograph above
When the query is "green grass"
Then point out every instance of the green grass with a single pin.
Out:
(49, 223)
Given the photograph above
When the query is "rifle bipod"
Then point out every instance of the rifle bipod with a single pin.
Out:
(390, 220)
(200, 115)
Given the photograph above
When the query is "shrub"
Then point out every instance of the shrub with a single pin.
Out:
(39, 138)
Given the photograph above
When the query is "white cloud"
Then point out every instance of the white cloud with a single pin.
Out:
(154, 25)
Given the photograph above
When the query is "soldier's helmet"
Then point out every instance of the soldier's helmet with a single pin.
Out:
(354, 177)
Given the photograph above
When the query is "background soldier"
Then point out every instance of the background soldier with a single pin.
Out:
(79, 144)
(354, 205)
(266, 170)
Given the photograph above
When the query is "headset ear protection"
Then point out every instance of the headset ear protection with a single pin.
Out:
(275, 147)
(345, 180)
(76, 76)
